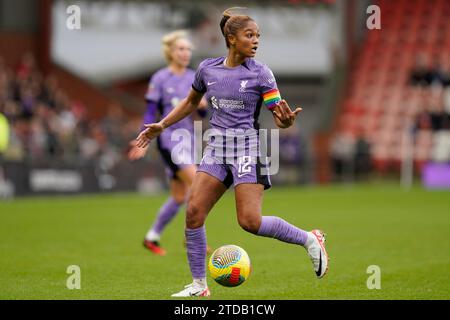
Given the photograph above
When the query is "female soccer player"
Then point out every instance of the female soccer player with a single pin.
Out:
(236, 86)
(167, 87)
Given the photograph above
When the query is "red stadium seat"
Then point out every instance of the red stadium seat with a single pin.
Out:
(380, 98)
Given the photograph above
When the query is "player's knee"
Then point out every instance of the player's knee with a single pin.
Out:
(179, 197)
(250, 224)
(194, 216)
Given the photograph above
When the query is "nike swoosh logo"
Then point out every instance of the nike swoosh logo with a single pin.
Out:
(318, 272)
(211, 83)
(194, 294)
(241, 175)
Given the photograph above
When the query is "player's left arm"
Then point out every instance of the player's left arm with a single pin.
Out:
(282, 114)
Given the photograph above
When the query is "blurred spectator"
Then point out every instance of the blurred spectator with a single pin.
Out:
(26, 67)
(362, 157)
(49, 89)
(342, 151)
(421, 74)
(446, 99)
(444, 72)
(6, 187)
(89, 146)
(425, 74)
(433, 116)
(4, 134)
(112, 124)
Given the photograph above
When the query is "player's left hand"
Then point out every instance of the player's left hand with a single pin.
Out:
(284, 116)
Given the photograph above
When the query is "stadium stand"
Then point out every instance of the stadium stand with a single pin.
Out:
(399, 81)
(48, 126)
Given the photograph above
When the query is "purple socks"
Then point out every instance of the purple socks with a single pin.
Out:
(272, 227)
(196, 251)
(166, 213)
(277, 228)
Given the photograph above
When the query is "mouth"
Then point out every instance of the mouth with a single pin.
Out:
(254, 49)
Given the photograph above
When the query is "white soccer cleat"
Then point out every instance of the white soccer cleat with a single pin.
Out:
(317, 253)
(193, 290)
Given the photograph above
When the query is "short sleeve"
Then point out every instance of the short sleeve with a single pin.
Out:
(154, 89)
(199, 84)
(269, 88)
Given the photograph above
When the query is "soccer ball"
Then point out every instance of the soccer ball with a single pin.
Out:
(229, 265)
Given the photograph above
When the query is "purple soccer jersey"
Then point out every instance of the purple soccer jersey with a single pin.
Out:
(235, 96)
(166, 90)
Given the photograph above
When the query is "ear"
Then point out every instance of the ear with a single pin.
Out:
(231, 39)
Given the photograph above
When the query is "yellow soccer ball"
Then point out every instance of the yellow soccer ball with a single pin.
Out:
(229, 265)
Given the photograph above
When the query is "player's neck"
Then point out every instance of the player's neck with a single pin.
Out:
(176, 69)
(234, 59)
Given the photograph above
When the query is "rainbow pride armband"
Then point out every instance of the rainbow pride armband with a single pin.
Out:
(271, 98)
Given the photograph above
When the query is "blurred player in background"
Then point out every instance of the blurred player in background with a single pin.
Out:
(234, 80)
(166, 89)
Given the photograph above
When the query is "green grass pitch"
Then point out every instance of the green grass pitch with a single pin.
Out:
(406, 234)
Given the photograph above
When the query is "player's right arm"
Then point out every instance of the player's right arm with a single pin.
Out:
(181, 111)
(153, 98)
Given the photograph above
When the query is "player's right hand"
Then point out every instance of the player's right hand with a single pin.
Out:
(152, 131)
(136, 153)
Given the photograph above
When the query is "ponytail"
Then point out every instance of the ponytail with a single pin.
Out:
(230, 24)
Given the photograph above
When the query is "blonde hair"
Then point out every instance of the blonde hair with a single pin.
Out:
(169, 40)
(231, 24)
